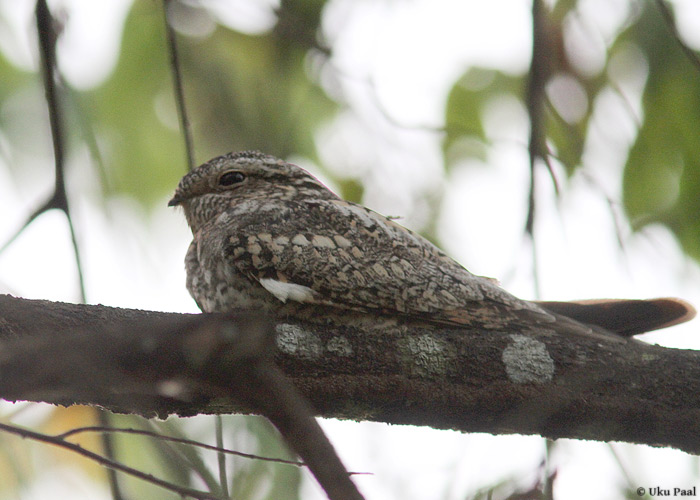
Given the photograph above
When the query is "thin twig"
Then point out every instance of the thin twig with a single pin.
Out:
(539, 70)
(106, 462)
(48, 35)
(631, 482)
(220, 455)
(613, 208)
(108, 444)
(184, 458)
(171, 42)
(162, 437)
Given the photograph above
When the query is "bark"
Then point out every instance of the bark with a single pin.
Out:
(500, 382)
(158, 363)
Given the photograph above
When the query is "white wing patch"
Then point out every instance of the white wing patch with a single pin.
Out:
(287, 291)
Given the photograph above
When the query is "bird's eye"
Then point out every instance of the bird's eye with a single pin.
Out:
(230, 178)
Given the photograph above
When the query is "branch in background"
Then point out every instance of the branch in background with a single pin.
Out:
(104, 418)
(500, 382)
(163, 437)
(107, 461)
(48, 31)
(48, 34)
(221, 456)
(535, 100)
(155, 364)
(178, 87)
(184, 492)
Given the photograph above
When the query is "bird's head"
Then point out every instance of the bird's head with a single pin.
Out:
(222, 182)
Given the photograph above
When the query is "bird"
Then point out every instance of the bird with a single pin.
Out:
(267, 235)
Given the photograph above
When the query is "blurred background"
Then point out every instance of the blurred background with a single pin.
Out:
(571, 174)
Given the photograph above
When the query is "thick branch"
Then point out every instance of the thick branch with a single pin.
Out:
(526, 382)
(152, 363)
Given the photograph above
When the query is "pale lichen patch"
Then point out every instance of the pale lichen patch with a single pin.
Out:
(339, 346)
(294, 340)
(650, 358)
(527, 361)
(426, 355)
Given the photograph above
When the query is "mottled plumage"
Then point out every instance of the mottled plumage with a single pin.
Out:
(269, 235)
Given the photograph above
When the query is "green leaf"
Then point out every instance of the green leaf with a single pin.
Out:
(241, 92)
(129, 113)
(661, 181)
(465, 134)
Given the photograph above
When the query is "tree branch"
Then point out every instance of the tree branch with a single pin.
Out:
(501, 382)
(156, 364)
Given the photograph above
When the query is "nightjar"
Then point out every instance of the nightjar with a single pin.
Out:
(270, 236)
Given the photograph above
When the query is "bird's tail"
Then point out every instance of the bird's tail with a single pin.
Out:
(623, 316)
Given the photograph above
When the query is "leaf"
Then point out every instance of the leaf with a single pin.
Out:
(145, 157)
(661, 180)
(241, 92)
(466, 100)
(62, 419)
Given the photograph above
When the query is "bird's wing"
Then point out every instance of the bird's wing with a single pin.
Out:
(336, 253)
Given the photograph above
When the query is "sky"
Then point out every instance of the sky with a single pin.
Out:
(136, 260)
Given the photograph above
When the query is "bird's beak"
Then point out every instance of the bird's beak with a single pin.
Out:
(175, 201)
